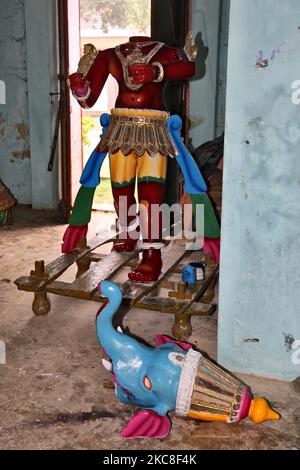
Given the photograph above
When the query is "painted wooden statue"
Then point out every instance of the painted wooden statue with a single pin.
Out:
(171, 377)
(139, 136)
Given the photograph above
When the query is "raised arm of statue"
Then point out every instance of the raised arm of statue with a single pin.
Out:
(88, 82)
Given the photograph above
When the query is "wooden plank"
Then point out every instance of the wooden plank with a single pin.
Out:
(158, 304)
(84, 286)
(64, 289)
(57, 267)
(213, 272)
(94, 257)
(182, 306)
(172, 255)
(30, 284)
(151, 303)
(165, 305)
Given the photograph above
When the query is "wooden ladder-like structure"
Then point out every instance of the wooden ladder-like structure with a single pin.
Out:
(93, 267)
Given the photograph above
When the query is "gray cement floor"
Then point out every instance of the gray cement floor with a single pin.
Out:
(51, 388)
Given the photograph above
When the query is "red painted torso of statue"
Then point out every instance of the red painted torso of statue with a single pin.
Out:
(141, 67)
(146, 80)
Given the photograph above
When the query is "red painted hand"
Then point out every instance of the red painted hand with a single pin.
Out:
(78, 84)
(72, 237)
(141, 73)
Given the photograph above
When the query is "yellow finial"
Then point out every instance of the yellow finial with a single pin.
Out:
(260, 411)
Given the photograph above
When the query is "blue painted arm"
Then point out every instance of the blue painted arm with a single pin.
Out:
(193, 179)
(90, 177)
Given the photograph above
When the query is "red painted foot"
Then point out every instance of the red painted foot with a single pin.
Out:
(149, 268)
(212, 247)
(124, 245)
(72, 237)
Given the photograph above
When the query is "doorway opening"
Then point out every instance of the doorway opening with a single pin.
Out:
(106, 25)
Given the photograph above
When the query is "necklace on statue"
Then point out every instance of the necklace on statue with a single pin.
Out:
(136, 56)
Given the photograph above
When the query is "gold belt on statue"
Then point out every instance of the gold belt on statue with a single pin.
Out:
(138, 131)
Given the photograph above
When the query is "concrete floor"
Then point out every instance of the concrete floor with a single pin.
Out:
(52, 394)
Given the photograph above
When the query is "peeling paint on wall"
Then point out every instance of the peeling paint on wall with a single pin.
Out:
(21, 155)
(2, 127)
(261, 63)
(22, 131)
(15, 167)
(289, 340)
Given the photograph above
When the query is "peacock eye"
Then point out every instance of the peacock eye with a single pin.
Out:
(147, 383)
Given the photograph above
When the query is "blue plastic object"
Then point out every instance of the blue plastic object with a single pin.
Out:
(90, 177)
(189, 273)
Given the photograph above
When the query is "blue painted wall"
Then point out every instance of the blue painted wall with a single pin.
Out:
(15, 169)
(42, 72)
(203, 88)
(28, 58)
(260, 276)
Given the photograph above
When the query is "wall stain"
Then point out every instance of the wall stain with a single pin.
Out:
(2, 126)
(21, 155)
(261, 63)
(288, 342)
(251, 340)
(256, 123)
(22, 131)
(276, 51)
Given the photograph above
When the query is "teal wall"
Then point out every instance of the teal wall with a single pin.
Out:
(42, 60)
(210, 24)
(259, 321)
(203, 88)
(28, 57)
(15, 168)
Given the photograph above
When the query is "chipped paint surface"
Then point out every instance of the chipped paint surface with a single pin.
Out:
(262, 63)
(21, 155)
(42, 79)
(29, 71)
(289, 341)
(259, 279)
(22, 131)
(14, 135)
